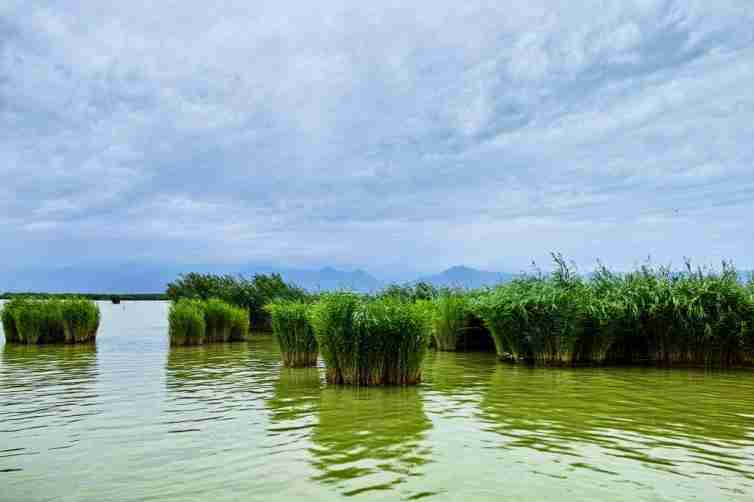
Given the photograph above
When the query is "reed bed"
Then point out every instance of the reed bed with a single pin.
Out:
(51, 320)
(290, 324)
(449, 320)
(365, 341)
(186, 323)
(195, 322)
(251, 294)
(650, 316)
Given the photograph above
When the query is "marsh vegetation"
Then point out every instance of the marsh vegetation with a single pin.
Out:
(290, 324)
(50, 320)
(195, 322)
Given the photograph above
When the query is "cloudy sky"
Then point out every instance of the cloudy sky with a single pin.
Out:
(393, 136)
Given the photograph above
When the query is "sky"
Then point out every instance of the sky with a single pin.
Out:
(398, 137)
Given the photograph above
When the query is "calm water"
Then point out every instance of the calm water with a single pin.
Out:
(136, 420)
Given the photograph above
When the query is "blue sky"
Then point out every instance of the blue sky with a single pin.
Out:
(394, 136)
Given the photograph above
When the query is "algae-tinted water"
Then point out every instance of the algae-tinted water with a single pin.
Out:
(133, 419)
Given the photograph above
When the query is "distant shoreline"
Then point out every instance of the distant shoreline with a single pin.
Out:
(126, 297)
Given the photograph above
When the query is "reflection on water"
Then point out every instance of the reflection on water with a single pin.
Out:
(215, 382)
(47, 391)
(295, 403)
(455, 383)
(134, 419)
(614, 421)
(370, 438)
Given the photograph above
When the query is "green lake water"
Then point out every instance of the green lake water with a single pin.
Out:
(133, 419)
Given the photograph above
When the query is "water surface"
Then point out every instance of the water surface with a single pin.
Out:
(132, 419)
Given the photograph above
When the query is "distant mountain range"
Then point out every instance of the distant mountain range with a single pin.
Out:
(467, 277)
(140, 278)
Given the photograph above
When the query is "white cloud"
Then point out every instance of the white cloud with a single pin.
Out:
(415, 135)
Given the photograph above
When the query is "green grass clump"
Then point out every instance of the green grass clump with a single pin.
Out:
(8, 315)
(80, 320)
(251, 294)
(52, 320)
(533, 318)
(371, 341)
(331, 319)
(449, 319)
(218, 318)
(291, 327)
(651, 315)
(194, 322)
(186, 321)
(239, 328)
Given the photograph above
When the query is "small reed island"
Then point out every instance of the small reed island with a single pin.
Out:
(196, 322)
(371, 341)
(290, 325)
(50, 320)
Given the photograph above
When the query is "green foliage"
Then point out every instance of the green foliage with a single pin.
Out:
(239, 328)
(51, 320)
(80, 320)
(8, 314)
(218, 318)
(186, 323)
(331, 319)
(194, 322)
(449, 319)
(250, 294)
(371, 341)
(698, 317)
(410, 293)
(291, 326)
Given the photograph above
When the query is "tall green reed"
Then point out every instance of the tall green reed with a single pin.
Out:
(371, 341)
(294, 334)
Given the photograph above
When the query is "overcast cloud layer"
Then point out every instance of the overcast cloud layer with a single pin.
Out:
(387, 135)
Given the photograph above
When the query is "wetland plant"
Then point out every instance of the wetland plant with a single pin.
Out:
(651, 315)
(371, 341)
(218, 320)
(194, 322)
(186, 323)
(449, 320)
(239, 328)
(8, 315)
(80, 320)
(290, 324)
(51, 320)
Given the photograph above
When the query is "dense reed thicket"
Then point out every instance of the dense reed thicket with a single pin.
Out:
(194, 322)
(251, 294)
(651, 315)
(52, 320)
(449, 319)
(371, 341)
(291, 327)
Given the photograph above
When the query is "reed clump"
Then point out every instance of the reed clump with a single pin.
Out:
(290, 324)
(218, 319)
(651, 315)
(195, 322)
(249, 293)
(449, 319)
(51, 320)
(365, 341)
(80, 320)
(239, 327)
(186, 323)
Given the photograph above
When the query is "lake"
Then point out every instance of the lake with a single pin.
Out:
(133, 419)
